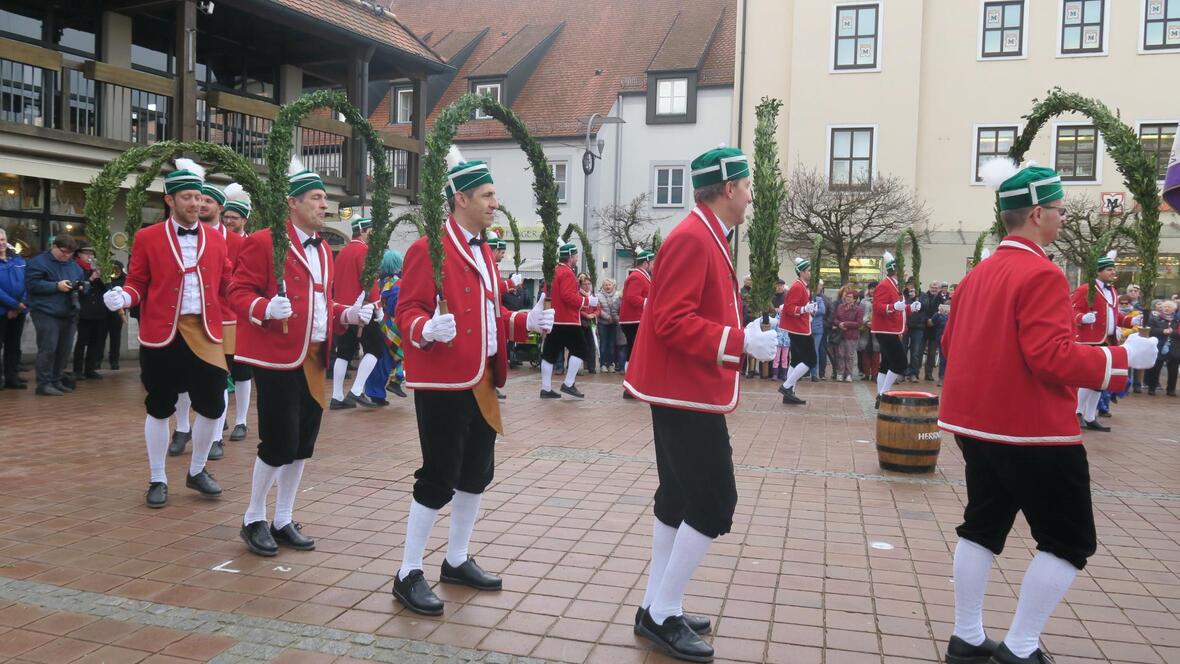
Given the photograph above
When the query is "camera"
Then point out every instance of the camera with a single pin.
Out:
(205, 7)
(79, 285)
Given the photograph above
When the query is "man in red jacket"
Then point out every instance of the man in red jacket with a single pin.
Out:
(289, 364)
(1097, 325)
(235, 214)
(567, 334)
(350, 265)
(454, 362)
(212, 203)
(795, 318)
(179, 270)
(888, 324)
(635, 291)
(1008, 398)
(687, 357)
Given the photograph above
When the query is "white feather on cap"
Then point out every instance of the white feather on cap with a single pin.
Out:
(888, 257)
(235, 192)
(721, 145)
(1112, 254)
(183, 164)
(995, 171)
(295, 166)
(984, 254)
(799, 260)
(492, 235)
(454, 157)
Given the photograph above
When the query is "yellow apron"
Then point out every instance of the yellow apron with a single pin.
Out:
(314, 371)
(489, 404)
(229, 338)
(193, 332)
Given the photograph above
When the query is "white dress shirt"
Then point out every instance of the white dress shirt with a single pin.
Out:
(190, 301)
(485, 276)
(319, 312)
(1111, 306)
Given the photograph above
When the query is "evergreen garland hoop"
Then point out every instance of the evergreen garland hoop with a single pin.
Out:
(517, 258)
(769, 192)
(587, 251)
(434, 176)
(915, 257)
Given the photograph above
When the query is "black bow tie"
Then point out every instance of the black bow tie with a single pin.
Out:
(476, 241)
(313, 240)
(182, 231)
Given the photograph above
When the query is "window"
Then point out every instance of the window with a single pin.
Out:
(33, 210)
(486, 88)
(1083, 23)
(560, 170)
(672, 96)
(1076, 153)
(992, 142)
(669, 186)
(1157, 139)
(1003, 29)
(850, 165)
(1161, 25)
(857, 27)
(403, 106)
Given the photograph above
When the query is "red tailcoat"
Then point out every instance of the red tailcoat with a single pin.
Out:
(635, 291)
(1105, 309)
(1016, 366)
(460, 363)
(233, 249)
(689, 348)
(155, 281)
(262, 342)
(793, 319)
(350, 265)
(887, 320)
(568, 300)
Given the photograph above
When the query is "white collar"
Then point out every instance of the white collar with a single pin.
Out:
(300, 234)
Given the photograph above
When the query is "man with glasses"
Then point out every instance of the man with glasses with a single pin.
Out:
(1008, 399)
(53, 280)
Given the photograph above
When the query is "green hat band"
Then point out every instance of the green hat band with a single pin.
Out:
(361, 224)
(644, 255)
(182, 180)
(568, 249)
(214, 193)
(1035, 185)
(467, 175)
(719, 165)
(802, 266)
(241, 207)
(498, 243)
(1105, 262)
(302, 181)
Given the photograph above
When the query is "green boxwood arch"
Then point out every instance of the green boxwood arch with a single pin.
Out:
(915, 257)
(517, 259)
(1123, 146)
(434, 175)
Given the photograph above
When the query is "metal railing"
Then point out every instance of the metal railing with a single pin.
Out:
(241, 132)
(322, 152)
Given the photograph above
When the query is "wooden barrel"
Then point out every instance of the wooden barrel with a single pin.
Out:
(908, 438)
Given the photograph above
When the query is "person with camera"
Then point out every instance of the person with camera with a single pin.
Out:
(54, 281)
(92, 315)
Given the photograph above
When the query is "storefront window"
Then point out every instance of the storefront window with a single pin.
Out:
(24, 234)
(74, 228)
(18, 192)
(67, 198)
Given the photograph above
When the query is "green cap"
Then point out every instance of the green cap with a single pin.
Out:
(213, 192)
(301, 179)
(1107, 260)
(1024, 188)
(361, 224)
(237, 200)
(495, 243)
(720, 164)
(568, 249)
(802, 265)
(188, 175)
(644, 255)
(890, 263)
(467, 175)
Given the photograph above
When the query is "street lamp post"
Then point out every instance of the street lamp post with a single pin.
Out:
(588, 158)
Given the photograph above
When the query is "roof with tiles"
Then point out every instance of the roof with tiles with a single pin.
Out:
(622, 38)
(363, 19)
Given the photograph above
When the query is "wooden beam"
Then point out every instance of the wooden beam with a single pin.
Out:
(328, 125)
(239, 104)
(18, 51)
(399, 142)
(128, 78)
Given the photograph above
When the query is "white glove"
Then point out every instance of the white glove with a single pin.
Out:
(761, 345)
(279, 308)
(516, 280)
(593, 301)
(440, 327)
(1089, 317)
(539, 318)
(899, 305)
(916, 306)
(116, 299)
(358, 314)
(1141, 351)
(809, 308)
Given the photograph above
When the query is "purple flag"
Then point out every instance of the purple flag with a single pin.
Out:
(1172, 179)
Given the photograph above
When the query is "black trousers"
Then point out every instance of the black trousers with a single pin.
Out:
(114, 337)
(563, 338)
(288, 416)
(239, 371)
(89, 345)
(1049, 483)
(695, 465)
(1153, 374)
(588, 341)
(370, 341)
(893, 354)
(166, 372)
(458, 446)
(10, 332)
(802, 350)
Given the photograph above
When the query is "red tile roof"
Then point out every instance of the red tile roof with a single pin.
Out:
(352, 15)
(619, 37)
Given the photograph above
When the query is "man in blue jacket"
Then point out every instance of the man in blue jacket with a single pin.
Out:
(53, 280)
(13, 308)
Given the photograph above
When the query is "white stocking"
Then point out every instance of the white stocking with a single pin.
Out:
(687, 553)
(204, 430)
(264, 476)
(464, 511)
(155, 432)
(571, 370)
(546, 376)
(418, 528)
(288, 480)
(794, 374)
(339, 371)
(183, 406)
(362, 374)
(1044, 585)
(973, 564)
(663, 537)
(242, 390)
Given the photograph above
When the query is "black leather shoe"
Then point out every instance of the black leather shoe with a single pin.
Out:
(69, 382)
(257, 537)
(959, 651)
(292, 535)
(64, 388)
(338, 404)
(15, 383)
(49, 391)
(1004, 656)
(239, 433)
(114, 366)
(204, 483)
(93, 375)
(363, 400)
(179, 440)
(469, 574)
(157, 495)
(380, 402)
(396, 389)
(217, 451)
(1095, 426)
(789, 398)
(1104, 413)
(571, 390)
(549, 394)
(676, 639)
(877, 403)
(698, 624)
(415, 593)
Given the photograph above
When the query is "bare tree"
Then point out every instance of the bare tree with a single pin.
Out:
(625, 225)
(847, 220)
(1087, 223)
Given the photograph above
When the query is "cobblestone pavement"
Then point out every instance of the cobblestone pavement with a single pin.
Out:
(830, 560)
